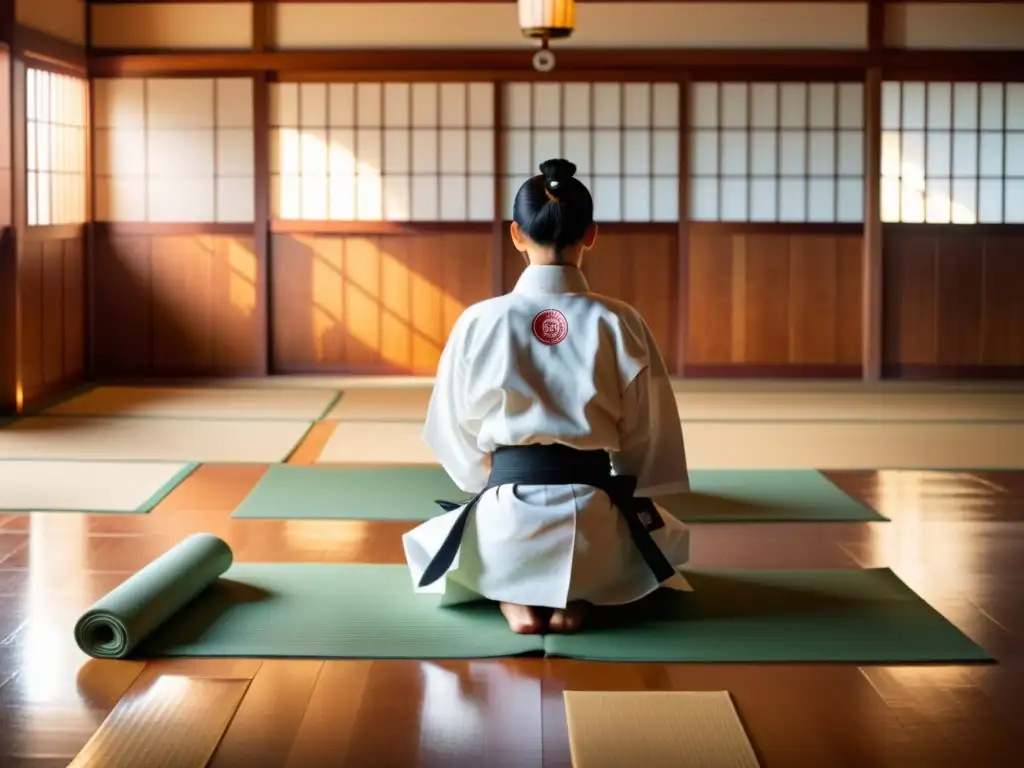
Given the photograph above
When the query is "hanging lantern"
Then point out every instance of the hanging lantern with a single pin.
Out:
(546, 20)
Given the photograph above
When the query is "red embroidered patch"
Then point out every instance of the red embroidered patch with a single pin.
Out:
(550, 327)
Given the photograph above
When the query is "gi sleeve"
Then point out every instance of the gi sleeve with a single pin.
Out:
(445, 430)
(650, 432)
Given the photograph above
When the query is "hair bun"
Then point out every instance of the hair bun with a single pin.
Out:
(556, 174)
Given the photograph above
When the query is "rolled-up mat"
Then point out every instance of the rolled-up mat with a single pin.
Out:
(116, 624)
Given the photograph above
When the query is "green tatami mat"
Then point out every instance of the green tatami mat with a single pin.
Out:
(190, 603)
(852, 615)
(408, 494)
(349, 493)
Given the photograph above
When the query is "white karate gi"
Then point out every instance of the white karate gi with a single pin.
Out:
(603, 387)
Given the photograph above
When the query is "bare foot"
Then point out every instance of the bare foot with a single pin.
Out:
(522, 619)
(570, 618)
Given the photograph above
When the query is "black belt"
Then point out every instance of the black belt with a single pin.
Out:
(559, 465)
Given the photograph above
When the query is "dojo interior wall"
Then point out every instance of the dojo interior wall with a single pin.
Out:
(338, 218)
(44, 200)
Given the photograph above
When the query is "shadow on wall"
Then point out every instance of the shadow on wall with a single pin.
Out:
(176, 305)
(377, 305)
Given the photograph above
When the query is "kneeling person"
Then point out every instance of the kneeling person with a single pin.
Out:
(553, 405)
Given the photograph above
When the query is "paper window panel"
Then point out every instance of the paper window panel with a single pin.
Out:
(55, 147)
(704, 199)
(235, 199)
(620, 136)
(547, 145)
(425, 203)
(704, 107)
(636, 105)
(1013, 204)
(576, 97)
(382, 144)
(665, 112)
(791, 139)
(607, 193)
(369, 196)
(397, 105)
(733, 202)
(665, 199)
(1014, 152)
(234, 103)
(453, 200)
(180, 103)
(636, 199)
(369, 105)
(949, 153)
(547, 105)
(607, 105)
(763, 199)
(171, 200)
(481, 198)
(821, 203)
(397, 197)
(481, 105)
(481, 153)
(313, 105)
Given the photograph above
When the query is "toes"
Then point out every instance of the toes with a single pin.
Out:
(522, 620)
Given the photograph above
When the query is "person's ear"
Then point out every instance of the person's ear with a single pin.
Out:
(590, 237)
(518, 240)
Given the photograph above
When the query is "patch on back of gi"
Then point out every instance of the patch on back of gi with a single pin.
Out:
(550, 327)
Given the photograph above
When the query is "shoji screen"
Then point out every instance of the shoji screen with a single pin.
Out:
(382, 151)
(953, 153)
(174, 150)
(55, 148)
(623, 138)
(784, 152)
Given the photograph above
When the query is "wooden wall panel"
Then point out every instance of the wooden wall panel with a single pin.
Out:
(636, 266)
(372, 304)
(169, 305)
(51, 277)
(952, 301)
(773, 304)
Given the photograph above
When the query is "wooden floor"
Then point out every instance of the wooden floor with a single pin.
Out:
(955, 538)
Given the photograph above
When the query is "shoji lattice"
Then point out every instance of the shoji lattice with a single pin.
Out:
(782, 152)
(623, 138)
(953, 153)
(174, 150)
(55, 148)
(382, 151)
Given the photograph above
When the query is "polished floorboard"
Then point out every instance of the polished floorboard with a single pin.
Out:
(956, 538)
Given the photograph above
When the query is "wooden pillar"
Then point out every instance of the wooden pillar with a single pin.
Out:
(871, 304)
(498, 233)
(262, 40)
(682, 320)
(871, 307)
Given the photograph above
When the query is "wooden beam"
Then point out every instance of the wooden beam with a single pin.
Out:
(470, 64)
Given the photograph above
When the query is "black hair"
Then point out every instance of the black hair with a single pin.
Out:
(554, 209)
